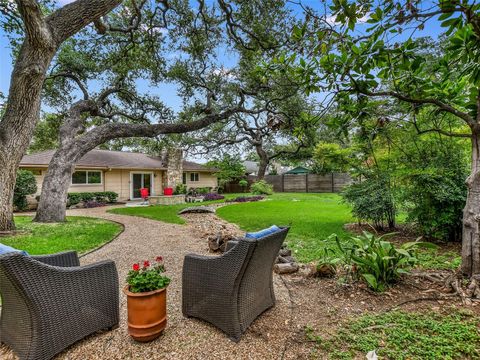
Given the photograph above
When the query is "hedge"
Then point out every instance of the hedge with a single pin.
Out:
(100, 196)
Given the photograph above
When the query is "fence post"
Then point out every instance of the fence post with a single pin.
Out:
(283, 182)
(306, 182)
(333, 182)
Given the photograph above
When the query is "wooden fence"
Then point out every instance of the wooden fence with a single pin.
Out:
(333, 182)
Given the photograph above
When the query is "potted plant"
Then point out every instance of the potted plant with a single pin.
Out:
(146, 292)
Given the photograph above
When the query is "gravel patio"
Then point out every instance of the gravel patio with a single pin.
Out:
(184, 338)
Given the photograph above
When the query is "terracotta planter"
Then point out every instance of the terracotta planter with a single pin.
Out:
(147, 314)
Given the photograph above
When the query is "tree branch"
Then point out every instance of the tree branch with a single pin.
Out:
(35, 25)
(73, 17)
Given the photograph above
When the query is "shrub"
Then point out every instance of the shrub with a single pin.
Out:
(243, 184)
(180, 189)
(372, 200)
(261, 187)
(111, 196)
(73, 198)
(101, 197)
(148, 277)
(213, 196)
(377, 261)
(203, 190)
(25, 185)
(246, 198)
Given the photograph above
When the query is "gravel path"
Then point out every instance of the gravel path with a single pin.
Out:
(184, 338)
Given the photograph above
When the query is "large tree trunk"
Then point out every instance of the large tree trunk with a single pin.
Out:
(43, 36)
(18, 122)
(263, 163)
(471, 214)
(53, 199)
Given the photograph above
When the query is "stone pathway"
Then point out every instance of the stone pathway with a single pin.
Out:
(184, 338)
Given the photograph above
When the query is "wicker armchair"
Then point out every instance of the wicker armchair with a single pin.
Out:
(50, 302)
(232, 290)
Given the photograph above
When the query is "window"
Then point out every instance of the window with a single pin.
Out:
(184, 178)
(36, 172)
(86, 177)
(194, 177)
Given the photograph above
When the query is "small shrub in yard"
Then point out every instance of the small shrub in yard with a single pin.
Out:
(180, 189)
(101, 196)
(243, 184)
(246, 199)
(261, 188)
(213, 196)
(372, 200)
(380, 263)
(24, 185)
(147, 277)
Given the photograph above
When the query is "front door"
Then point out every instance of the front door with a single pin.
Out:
(140, 180)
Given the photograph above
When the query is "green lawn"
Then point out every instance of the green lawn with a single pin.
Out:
(312, 217)
(78, 233)
(165, 213)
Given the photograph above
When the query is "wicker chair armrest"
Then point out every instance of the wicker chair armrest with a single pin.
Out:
(231, 244)
(63, 259)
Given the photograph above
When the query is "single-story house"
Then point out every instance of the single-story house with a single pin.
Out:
(126, 172)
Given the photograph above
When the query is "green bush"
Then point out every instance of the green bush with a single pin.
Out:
(261, 187)
(25, 184)
(180, 189)
(99, 196)
(73, 198)
(203, 190)
(379, 262)
(372, 200)
(243, 184)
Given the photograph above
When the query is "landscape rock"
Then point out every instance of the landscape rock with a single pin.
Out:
(197, 210)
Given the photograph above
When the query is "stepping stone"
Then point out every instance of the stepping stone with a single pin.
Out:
(197, 210)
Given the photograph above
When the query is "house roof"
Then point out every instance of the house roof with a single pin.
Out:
(298, 170)
(111, 159)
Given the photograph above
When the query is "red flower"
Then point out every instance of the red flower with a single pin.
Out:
(146, 264)
(136, 267)
(159, 259)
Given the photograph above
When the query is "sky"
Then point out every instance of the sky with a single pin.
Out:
(167, 91)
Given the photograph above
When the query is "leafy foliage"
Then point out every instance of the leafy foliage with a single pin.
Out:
(230, 168)
(180, 189)
(402, 335)
(100, 196)
(25, 185)
(261, 187)
(243, 199)
(243, 184)
(147, 277)
(372, 200)
(380, 263)
(330, 157)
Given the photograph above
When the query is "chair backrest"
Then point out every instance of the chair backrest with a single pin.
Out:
(256, 285)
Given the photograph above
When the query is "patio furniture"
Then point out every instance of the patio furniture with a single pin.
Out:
(50, 302)
(232, 290)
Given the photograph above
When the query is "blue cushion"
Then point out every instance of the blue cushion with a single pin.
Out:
(4, 249)
(259, 234)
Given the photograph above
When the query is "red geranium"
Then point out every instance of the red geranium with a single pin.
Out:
(159, 259)
(136, 267)
(146, 264)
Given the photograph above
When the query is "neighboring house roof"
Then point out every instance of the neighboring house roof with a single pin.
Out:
(251, 167)
(299, 170)
(111, 159)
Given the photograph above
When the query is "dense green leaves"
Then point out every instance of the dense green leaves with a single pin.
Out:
(24, 185)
